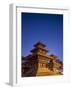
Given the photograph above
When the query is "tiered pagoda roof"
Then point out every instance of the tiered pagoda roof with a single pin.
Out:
(39, 43)
(39, 46)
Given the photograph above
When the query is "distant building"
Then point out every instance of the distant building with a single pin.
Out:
(39, 63)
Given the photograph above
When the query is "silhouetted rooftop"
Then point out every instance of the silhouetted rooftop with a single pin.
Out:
(39, 43)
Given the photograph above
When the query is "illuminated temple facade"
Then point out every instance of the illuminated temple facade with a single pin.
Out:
(39, 63)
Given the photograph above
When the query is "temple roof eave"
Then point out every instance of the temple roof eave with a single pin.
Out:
(47, 56)
(35, 49)
(39, 43)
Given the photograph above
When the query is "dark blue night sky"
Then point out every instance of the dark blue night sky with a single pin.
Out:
(47, 28)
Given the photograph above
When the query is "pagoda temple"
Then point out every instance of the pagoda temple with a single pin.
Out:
(39, 63)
